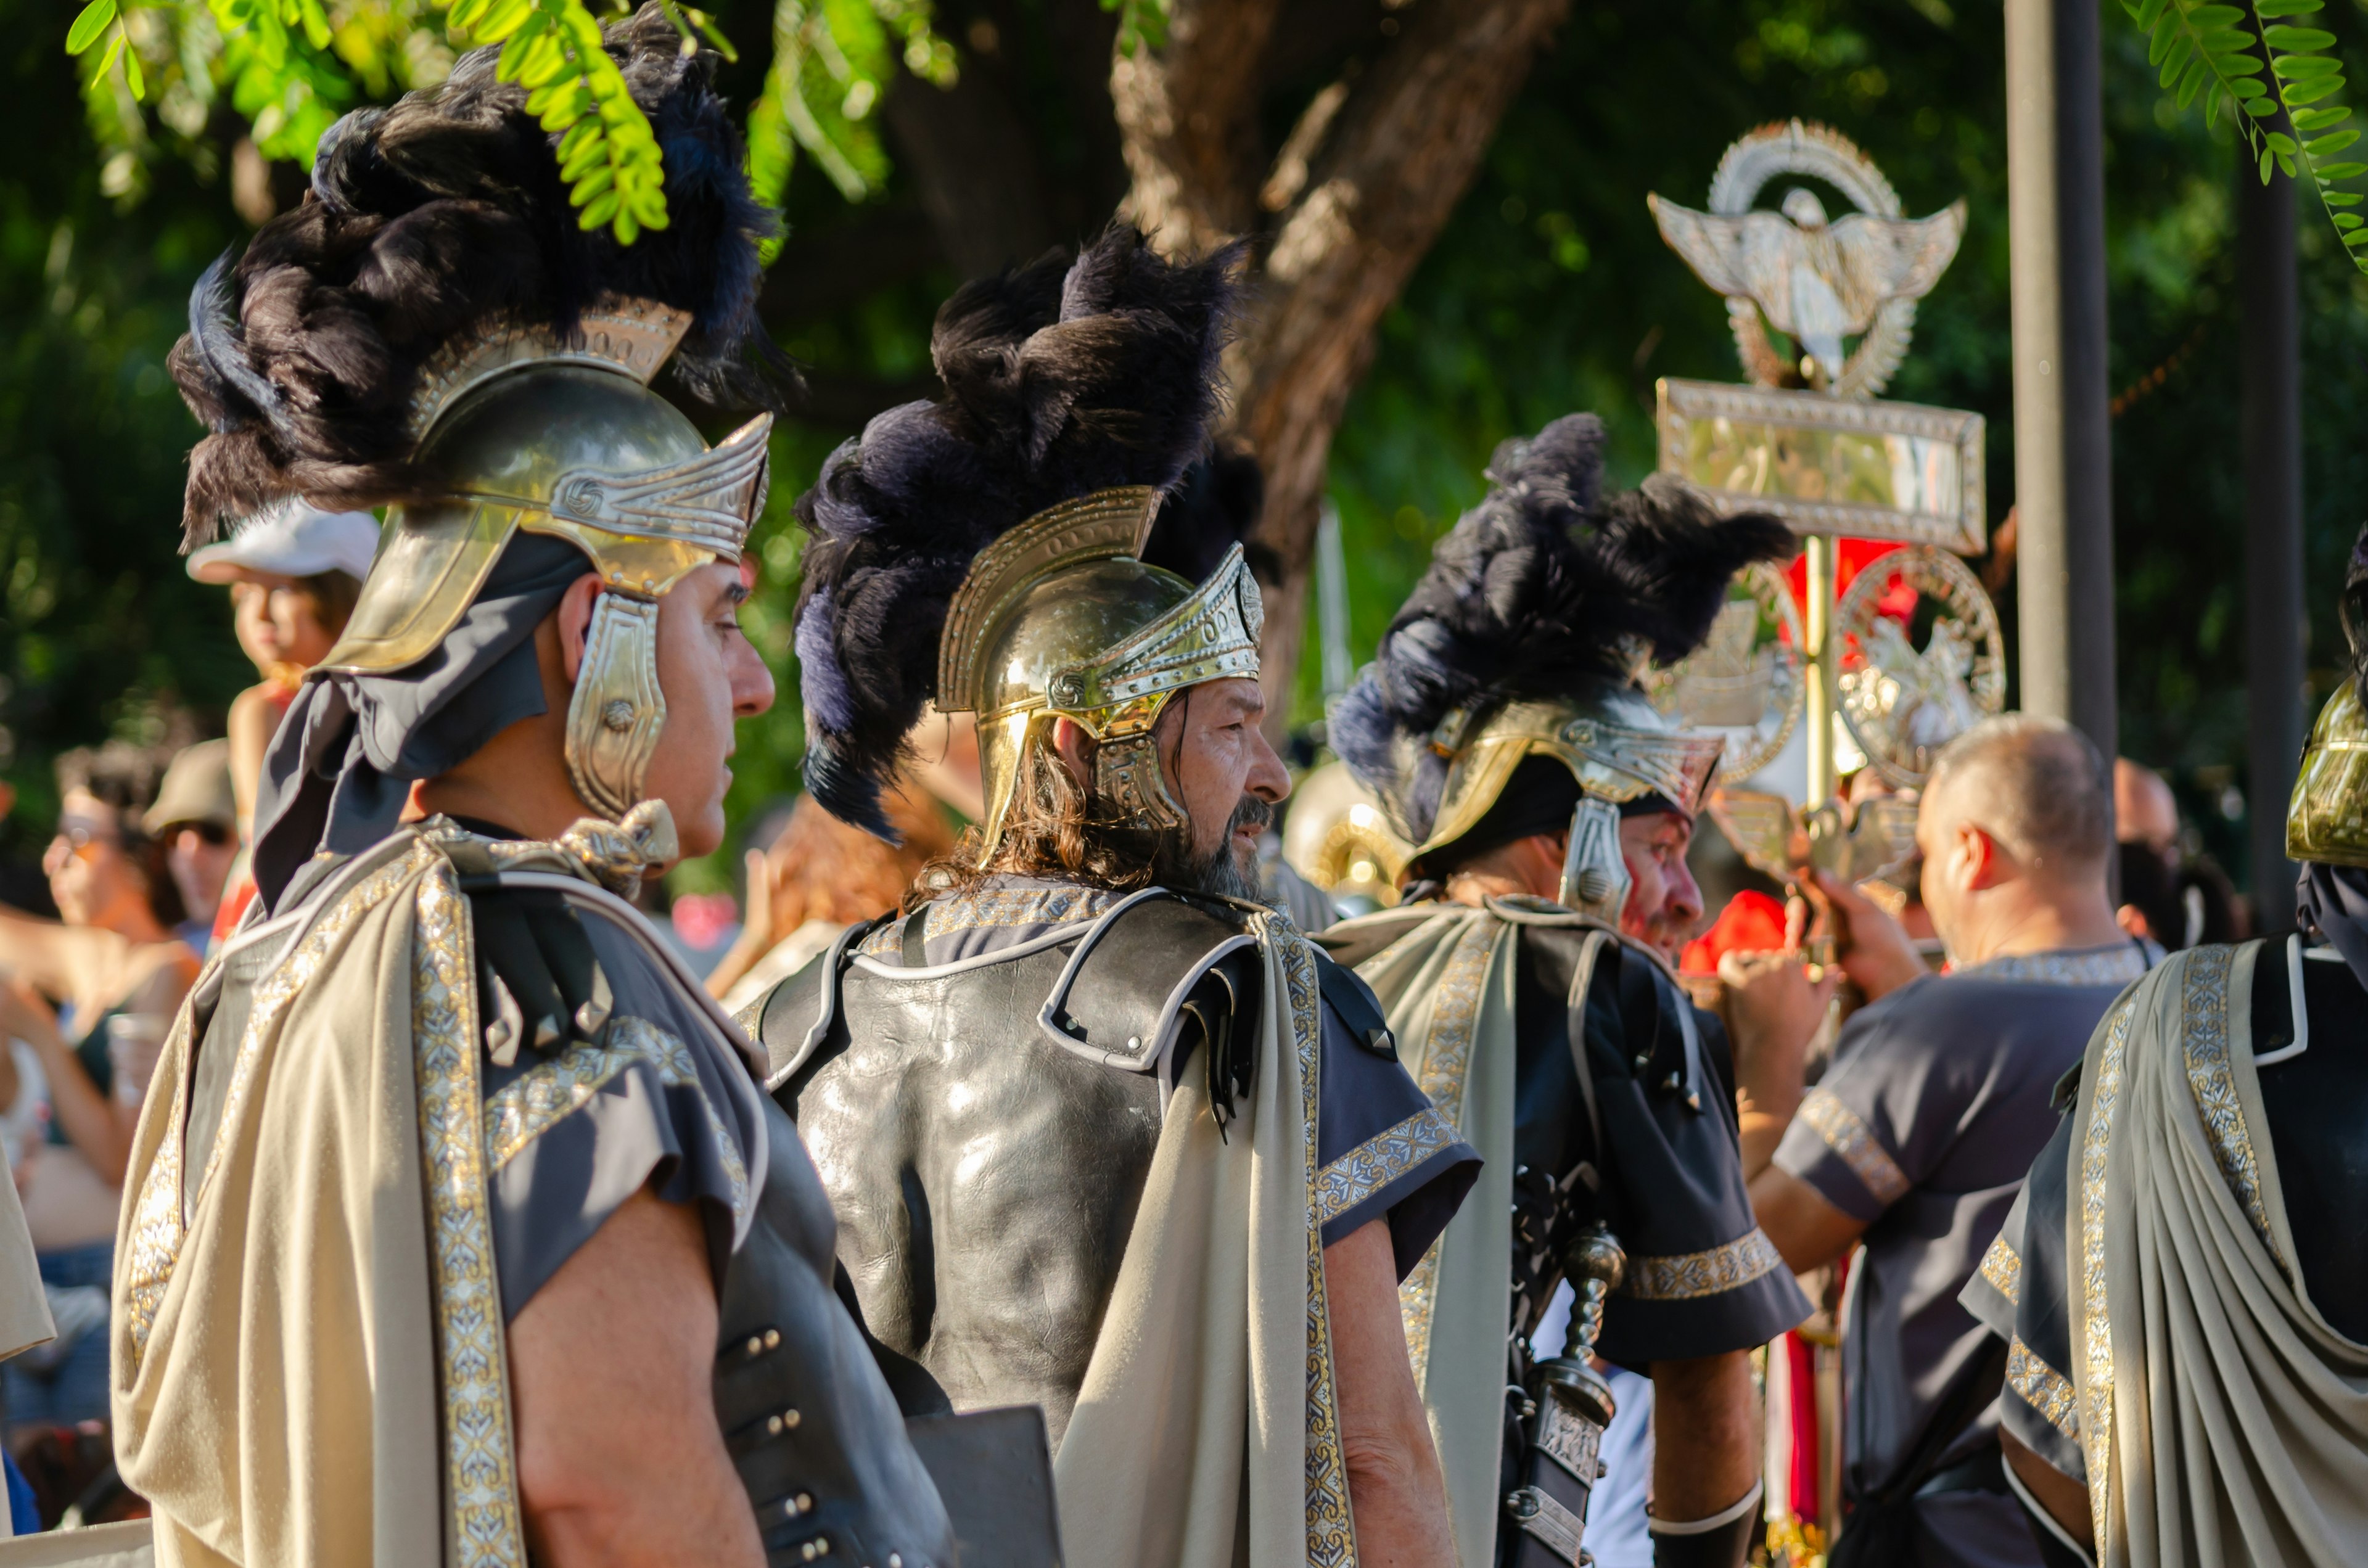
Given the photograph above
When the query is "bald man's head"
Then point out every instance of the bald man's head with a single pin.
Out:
(2036, 787)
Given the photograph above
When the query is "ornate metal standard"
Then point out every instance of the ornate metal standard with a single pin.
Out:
(1810, 442)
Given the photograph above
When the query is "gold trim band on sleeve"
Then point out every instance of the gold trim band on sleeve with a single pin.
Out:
(1857, 1145)
(1685, 1277)
(2043, 1388)
(1379, 1160)
(2002, 1266)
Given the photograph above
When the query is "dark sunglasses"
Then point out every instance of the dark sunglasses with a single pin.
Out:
(211, 832)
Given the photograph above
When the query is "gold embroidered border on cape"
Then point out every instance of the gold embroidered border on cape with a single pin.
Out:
(1331, 1539)
(1859, 1148)
(2213, 1082)
(537, 1101)
(1379, 1160)
(1683, 1276)
(2096, 1330)
(157, 1228)
(1447, 1059)
(480, 1471)
(2002, 1266)
(2043, 1388)
(997, 907)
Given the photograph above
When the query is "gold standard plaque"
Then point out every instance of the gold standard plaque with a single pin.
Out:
(1828, 465)
(1823, 309)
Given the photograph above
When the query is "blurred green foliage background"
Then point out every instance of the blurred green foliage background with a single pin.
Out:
(1549, 291)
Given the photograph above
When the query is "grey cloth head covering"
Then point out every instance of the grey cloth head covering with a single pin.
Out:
(342, 763)
(2333, 901)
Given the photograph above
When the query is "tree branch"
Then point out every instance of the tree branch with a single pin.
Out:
(1371, 175)
(1189, 115)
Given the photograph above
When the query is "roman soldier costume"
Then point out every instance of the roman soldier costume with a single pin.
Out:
(435, 1058)
(1087, 1131)
(2181, 1288)
(1504, 703)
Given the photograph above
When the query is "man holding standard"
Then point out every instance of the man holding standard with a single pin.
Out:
(1918, 1137)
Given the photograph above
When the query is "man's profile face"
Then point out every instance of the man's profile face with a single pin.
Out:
(1664, 905)
(1221, 769)
(710, 675)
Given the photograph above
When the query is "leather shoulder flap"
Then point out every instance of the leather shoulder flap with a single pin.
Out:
(791, 1020)
(1132, 981)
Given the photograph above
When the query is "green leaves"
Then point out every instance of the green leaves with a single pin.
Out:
(608, 154)
(102, 18)
(832, 62)
(2223, 54)
(1142, 24)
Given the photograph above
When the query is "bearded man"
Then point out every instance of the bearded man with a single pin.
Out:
(459, 1230)
(1528, 983)
(1105, 1134)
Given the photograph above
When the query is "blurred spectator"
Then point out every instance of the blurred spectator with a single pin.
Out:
(293, 572)
(85, 1005)
(196, 819)
(2169, 896)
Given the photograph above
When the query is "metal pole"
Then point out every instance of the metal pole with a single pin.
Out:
(1816, 623)
(2062, 430)
(2088, 387)
(2037, 327)
(2277, 632)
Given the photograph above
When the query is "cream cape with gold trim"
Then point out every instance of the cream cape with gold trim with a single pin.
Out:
(2223, 1421)
(311, 1372)
(1446, 988)
(1206, 1433)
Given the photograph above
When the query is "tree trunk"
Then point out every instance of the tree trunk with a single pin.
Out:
(1356, 196)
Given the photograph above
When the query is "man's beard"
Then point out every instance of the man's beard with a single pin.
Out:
(1225, 871)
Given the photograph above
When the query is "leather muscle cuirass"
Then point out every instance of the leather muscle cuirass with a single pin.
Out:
(983, 1129)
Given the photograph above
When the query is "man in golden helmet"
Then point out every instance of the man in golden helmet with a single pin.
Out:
(1527, 977)
(2180, 1287)
(1106, 1135)
(459, 1228)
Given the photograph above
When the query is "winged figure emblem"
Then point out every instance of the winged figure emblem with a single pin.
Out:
(1778, 838)
(1820, 282)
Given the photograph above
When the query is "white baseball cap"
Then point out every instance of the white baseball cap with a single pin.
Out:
(291, 539)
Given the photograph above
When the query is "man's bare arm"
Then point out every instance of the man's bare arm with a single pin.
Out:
(1809, 1231)
(620, 1459)
(1705, 1435)
(1395, 1489)
(2065, 1500)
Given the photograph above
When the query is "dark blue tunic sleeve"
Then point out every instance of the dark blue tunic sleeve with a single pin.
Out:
(1382, 1148)
(634, 1099)
(2019, 1294)
(1667, 1179)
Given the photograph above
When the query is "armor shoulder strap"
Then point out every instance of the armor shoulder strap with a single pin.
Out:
(791, 1021)
(1121, 998)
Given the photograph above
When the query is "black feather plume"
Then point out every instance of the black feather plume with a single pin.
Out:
(1061, 378)
(426, 217)
(1536, 592)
